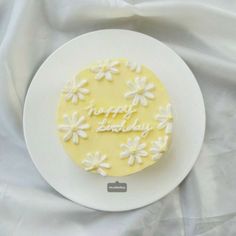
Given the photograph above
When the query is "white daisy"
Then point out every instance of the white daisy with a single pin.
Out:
(75, 91)
(165, 119)
(134, 151)
(105, 69)
(133, 66)
(73, 128)
(159, 147)
(95, 162)
(140, 91)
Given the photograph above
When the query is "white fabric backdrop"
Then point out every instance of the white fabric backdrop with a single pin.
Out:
(203, 33)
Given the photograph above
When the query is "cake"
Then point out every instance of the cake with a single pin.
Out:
(114, 118)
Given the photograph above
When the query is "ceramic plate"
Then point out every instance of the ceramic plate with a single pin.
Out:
(113, 193)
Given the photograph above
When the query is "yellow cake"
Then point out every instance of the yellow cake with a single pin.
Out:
(114, 118)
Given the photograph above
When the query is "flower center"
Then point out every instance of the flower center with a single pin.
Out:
(163, 148)
(140, 91)
(170, 117)
(95, 166)
(74, 128)
(133, 150)
(74, 90)
(104, 68)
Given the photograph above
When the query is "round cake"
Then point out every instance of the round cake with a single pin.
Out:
(114, 118)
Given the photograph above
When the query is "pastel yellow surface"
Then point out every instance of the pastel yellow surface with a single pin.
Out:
(104, 94)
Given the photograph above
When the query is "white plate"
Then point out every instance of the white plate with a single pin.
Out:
(89, 189)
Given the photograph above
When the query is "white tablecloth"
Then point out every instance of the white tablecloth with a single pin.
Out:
(203, 33)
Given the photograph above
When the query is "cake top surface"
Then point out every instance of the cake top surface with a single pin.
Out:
(114, 118)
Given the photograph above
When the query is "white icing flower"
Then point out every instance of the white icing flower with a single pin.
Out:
(159, 147)
(75, 91)
(134, 150)
(105, 69)
(133, 66)
(140, 91)
(73, 128)
(95, 162)
(165, 119)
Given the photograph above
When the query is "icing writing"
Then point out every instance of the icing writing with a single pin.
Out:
(106, 126)
(124, 125)
(126, 110)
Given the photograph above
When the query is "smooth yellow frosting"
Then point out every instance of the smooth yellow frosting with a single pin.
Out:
(107, 98)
